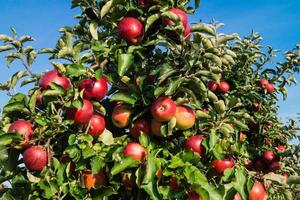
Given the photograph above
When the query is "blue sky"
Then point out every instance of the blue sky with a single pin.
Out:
(277, 21)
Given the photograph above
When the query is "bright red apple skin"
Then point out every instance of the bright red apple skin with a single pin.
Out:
(81, 115)
(237, 196)
(280, 148)
(212, 86)
(121, 116)
(155, 128)
(269, 156)
(94, 89)
(135, 150)
(185, 117)
(54, 77)
(22, 127)
(163, 109)
(194, 196)
(131, 29)
(258, 192)
(181, 15)
(35, 158)
(140, 125)
(97, 125)
(270, 88)
(263, 83)
(221, 165)
(194, 143)
(224, 87)
(187, 31)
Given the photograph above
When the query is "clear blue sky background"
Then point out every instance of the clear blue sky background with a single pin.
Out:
(278, 21)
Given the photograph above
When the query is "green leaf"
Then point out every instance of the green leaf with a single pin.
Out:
(125, 163)
(97, 163)
(151, 20)
(203, 28)
(151, 189)
(197, 3)
(106, 8)
(213, 138)
(32, 178)
(152, 165)
(75, 70)
(124, 63)
(173, 86)
(144, 139)
(213, 58)
(176, 162)
(32, 101)
(94, 29)
(124, 97)
(15, 107)
(240, 183)
(6, 48)
(106, 137)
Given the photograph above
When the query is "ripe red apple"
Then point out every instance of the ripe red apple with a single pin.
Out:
(35, 158)
(224, 87)
(193, 196)
(274, 166)
(140, 125)
(242, 137)
(54, 77)
(91, 180)
(180, 14)
(83, 114)
(163, 109)
(280, 148)
(258, 192)
(94, 89)
(135, 150)
(121, 116)
(97, 125)
(285, 175)
(212, 86)
(263, 83)
(173, 183)
(23, 128)
(270, 88)
(187, 31)
(194, 143)
(155, 128)
(237, 196)
(258, 165)
(185, 117)
(269, 156)
(221, 165)
(131, 29)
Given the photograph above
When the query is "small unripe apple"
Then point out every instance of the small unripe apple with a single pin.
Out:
(35, 158)
(135, 150)
(270, 88)
(180, 14)
(269, 156)
(221, 165)
(194, 196)
(54, 77)
(185, 117)
(22, 127)
(97, 125)
(140, 125)
(155, 128)
(258, 192)
(224, 87)
(83, 114)
(194, 143)
(131, 29)
(121, 115)
(263, 83)
(91, 180)
(94, 89)
(212, 86)
(163, 109)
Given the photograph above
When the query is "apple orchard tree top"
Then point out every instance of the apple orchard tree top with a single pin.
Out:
(143, 104)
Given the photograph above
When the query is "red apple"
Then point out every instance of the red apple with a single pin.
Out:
(131, 29)
(121, 116)
(155, 128)
(173, 183)
(193, 196)
(185, 117)
(140, 125)
(35, 158)
(280, 148)
(242, 137)
(221, 165)
(94, 180)
(274, 166)
(224, 87)
(270, 88)
(258, 165)
(163, 109)
(97, 125)
(135, 150)
(180, 14)
(83, 114)
(187, 31)
(258, 192)
(23, 128)
(285, 175)
(94, 89)
(269, 156)
(212, 86)
(54, 77)
(237, 196)
(263, 83)
(194, 143)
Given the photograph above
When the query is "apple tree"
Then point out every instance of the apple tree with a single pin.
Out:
(140, 103)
